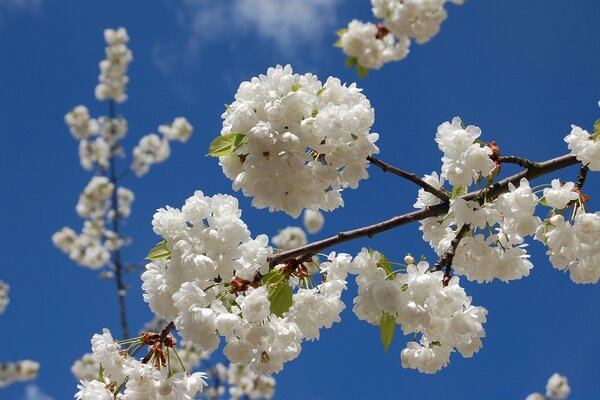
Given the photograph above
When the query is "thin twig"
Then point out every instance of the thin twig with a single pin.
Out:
(542, 168)
(116, 254)
(581, 177)
(439, 193)
(447, 258)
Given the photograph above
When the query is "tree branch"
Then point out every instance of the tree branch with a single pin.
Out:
(447, 258)
(520, 161)
(116, 254)
(439, 193)
(541, 168)
(582, 175)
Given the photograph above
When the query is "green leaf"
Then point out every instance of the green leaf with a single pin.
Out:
(350, 62)
(226, 144)
(597, 126)
(320, 91)
(387, 327)
(281, 298)
(296, 87)
(362, 71)
(340, 32)
(385, 264)
(272, 277)
(159, 252)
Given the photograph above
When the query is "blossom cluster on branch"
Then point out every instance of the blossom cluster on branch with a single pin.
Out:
(370, 45)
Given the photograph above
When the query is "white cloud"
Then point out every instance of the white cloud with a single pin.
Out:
(33, 6)
(287, 24)
(32, 392)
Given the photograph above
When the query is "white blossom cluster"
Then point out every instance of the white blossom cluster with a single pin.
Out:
(303, 141)
(422, 302)
(244, 384)
(210, 286)
(585, 147)
(98, 138)
(91, 248)
(290, 238)
(494, 246)
(19, 371)
(153, 149)
(371, 45)
(574, 245)
(113, 70)
(140, 380)
(4, 300)
(464, 159)
(557, 388)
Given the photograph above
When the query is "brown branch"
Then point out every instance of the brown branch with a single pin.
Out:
(161, 339)
(447, 258)
(520, 161)
(581, 177)
(116, 254)
(410, 176)
(542, 168)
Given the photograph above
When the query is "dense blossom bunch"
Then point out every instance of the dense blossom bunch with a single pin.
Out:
(91, 248)
(296, 142)
(113, 69)
(494, 246)
(290, 238)
(585, 147)
(4, 288)
(153, 149)
(574, 246)
(19, 371)
(80, 124)
(216, 282)
(369, 45)
(137, 379)
(421, 301)
(557, 388)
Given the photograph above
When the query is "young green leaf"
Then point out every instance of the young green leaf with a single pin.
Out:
(387, 327)
(296, 87)
(159, 252)
(362, 71)
(226, 144)
(280, 297)
(597, 126)
(350, 62)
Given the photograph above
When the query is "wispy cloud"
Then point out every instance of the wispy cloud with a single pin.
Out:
(289, 25)
(33, 6)
(33, 392)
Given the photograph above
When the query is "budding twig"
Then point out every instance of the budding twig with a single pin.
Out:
(581, 177)
(495, 190)
(520, 161)
(439, 193)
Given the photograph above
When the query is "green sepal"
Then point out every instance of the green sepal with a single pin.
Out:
(226, 144)
(351, 62)
(296, 87)
(387, 328)
(159, 252)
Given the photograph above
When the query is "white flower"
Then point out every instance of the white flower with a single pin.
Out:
(313, 221)
(19, 371)
(419, 19)
(96, 151)
(86, 368)
(558, 387)
(281, 115)
(255, 305)
(371, 49)
(113, 69)
(93, 390)
(290, 238)
(150, 150)
(80, 124)
(180, 129)
(95, 199)
(4, 288)
(560, 195)
(585, 147)
(535, 396)
(463, 160)
(426, 357)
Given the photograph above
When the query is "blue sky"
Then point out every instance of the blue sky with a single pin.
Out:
(521, 70)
